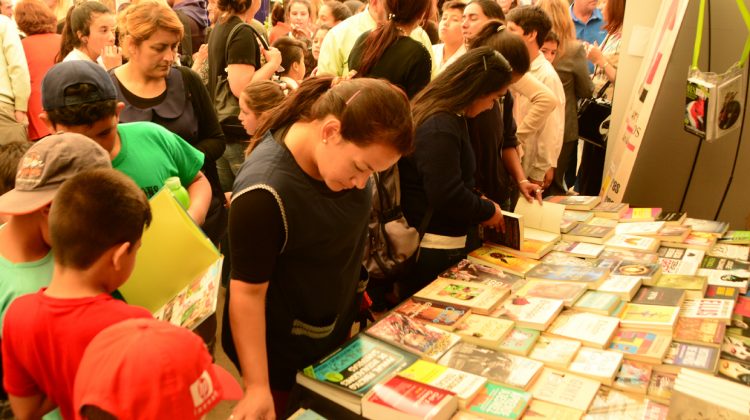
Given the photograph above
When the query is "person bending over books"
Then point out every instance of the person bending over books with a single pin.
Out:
(437, 180)
(304, 198)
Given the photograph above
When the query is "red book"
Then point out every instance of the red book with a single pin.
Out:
(402, 398)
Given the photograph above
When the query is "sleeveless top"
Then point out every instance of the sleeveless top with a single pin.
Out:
(313, 293)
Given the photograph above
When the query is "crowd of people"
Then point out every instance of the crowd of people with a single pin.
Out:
(276, 135)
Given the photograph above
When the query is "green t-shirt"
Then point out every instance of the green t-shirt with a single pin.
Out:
(149, 154)
(21, 279)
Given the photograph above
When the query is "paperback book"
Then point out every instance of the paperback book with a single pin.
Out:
(714, 309)
(402, 398)
(718, 229)
(497, 401)
(611, 403)
(575, 202)
(633, 242)
(579, 249)
(566, 389)
(649, 317)
(483, 330)
(541, 410)
(465, 270)
(590, 329)
(590, 276)
(628, 254)
(672, 217)
(640, 214)
(660, 386)
(508, 369)
(495, 258)
(555, 352)
(694, 286)
(568, 292)
(739, 237)
(520, 341)
(597, 302)
(480, 298)
(586, 232)
(648, 272)
(600, 365)
(640, 228)
(705, 332)
(661, 296)
(562, 258)
(633, 377)
(530, 312)
(512, 236)
(623, 286)
(722, 292)
(422, 339)
(437, 314)
(610, 210)
(465, 385)
(692, 356)
(641, 346)
(680, 260)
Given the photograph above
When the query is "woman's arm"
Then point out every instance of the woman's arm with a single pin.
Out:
(200, 197)
(211, 140)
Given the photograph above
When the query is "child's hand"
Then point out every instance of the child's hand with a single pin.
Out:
(111, 57)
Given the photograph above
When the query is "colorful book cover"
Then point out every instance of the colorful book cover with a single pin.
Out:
(568, 292)
(592, 329)
(508, 369)
(495, 258)
(741, 314)
(637, 243)
(511, 237)
(680, 260)
(733, 278)
(498, 401)
(661, 386)
(662, 296)
(465, 385)
(639, 228)
(399, 395)
(736, 370)
(530, 312)
(465, 270)
(597, 302)
(740, 237)
(649, 316)
(611, 210)
(685, 355)
(641, 345)
(587, 275)
(601, 365)
(480, 298)
(696, 284)
(628, 254)
(722, 292)
(519, 341)
(633, 377)
(736, 345)
(555, 352)
(640, 214)
(359, 364)
(709, 332)
(483, 330)
(718, 309)
(422, 339)
(435, 313)
(636, 269)
(673, 233)
(565, 389)
(561, 258)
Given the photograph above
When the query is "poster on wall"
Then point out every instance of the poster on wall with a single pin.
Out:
(627, 140)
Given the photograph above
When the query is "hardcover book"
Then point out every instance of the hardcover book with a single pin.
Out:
(349, 372)
(640, 214)
(465, 270)
(693, 356)
(706, 332)
(633, 242)
(716, 309)
(519, 341)
(575, 202)
(478, 297)
(497, 401)
(633, 377)
(590, 276)
(590, 329)
(642, 346)
(483, 330)
(437, 314)
(568, 292)
(495, 258)
(530, 312)
(600, 365)
(508, 369)
(597, 302)
(662, 296)
(680, 260)
(565, 389)
(465, 385)
(649, 317)
(402, 398)
(586, 232)
(425, 340)
(555, 352)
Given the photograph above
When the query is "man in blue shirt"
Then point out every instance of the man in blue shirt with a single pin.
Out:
(588, 21)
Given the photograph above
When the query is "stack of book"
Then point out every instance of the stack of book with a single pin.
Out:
(618, 327)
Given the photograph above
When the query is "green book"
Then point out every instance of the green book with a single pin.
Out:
(519, 341)
(597, 302)
(499, 401)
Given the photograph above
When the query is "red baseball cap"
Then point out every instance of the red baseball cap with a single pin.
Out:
(149, 369)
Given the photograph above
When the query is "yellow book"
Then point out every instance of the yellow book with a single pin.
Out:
(649, 317)
(465, 385)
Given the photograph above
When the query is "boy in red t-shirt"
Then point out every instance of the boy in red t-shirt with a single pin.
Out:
(96, 223)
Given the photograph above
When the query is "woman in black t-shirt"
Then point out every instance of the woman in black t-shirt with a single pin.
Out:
(238, 60)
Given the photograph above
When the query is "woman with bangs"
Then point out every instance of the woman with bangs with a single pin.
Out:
(38, 22)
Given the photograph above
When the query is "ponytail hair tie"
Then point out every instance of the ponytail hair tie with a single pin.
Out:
(391, 16)
(500, 28)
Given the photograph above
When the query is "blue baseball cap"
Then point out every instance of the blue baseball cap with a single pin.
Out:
(69, 73)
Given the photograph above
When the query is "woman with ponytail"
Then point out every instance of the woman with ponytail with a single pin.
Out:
(89, 34)
(297, 230)
(387, 52)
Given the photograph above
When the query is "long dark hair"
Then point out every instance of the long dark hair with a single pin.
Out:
(477, 73)
(370, 111)
(490, 8)
(77, 20)
(399, 12)
(495, 35)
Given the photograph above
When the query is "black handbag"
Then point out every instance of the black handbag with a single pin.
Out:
(593, 118)
(227, 105)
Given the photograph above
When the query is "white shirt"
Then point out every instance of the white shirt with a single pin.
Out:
(15, 81)
(539, 133)
(75, 55)
(437, 55)
(339, 41)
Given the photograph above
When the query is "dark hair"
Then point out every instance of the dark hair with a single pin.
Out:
(10, 154)
(615, 15)
(338, 10)
(490, 8)
(454, 5)
(477, 73)
(277, 14)
(552, 37)
(292, 51)
(307, 4)
(382, 37)
(82, 114)
(370, 111)
(496, 36)
(354, 5)
(94, 211)
(35, 17)
(78, 20)
(234, 7)
(530, 19)
(262, 95)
